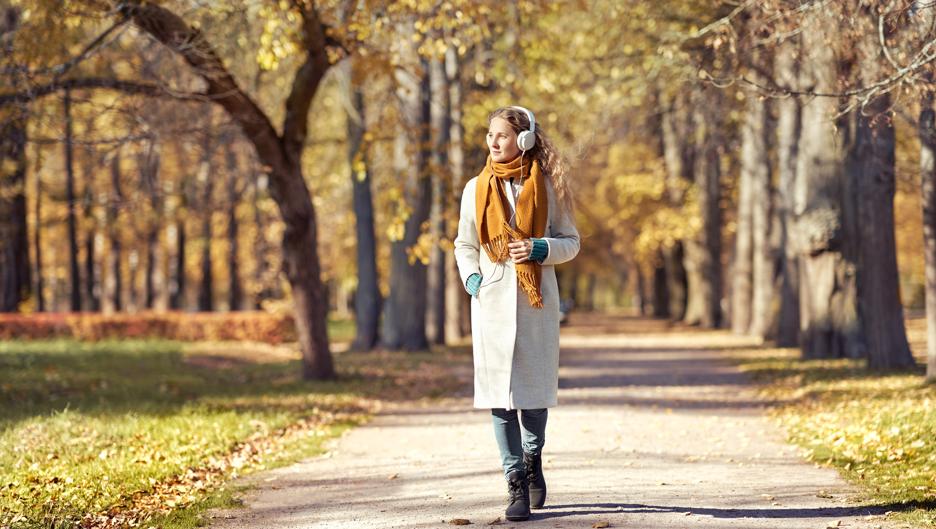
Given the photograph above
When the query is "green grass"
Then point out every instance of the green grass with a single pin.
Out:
(87, 427)
(878, 429)
(341, 330)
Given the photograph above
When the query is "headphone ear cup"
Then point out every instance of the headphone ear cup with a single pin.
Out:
(526, 140)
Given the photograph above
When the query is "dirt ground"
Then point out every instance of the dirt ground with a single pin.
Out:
(654, 429)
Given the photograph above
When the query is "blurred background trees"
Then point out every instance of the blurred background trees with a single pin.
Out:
(764, 166)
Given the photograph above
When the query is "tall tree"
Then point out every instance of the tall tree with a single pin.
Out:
(788, 133)
(703, 253)
(235, 291)
(206, 179)
(37, 245)
(14, 244)
(456, 301)
(405, 312)
(678, 159)
(927, 132)
(74, 275)
(155, 289)
(14, 254)
(176, 213)
(113, 282)
(92, 275)
(753, 264)
(280, 153)
(871, 164)
(829, 324)
(437, 277)
(367, 298)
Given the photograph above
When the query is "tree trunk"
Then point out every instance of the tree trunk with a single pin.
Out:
(14, 239)
(829, 327)
(757, 129)
(456, 299)
(439, 116)
(927, 133)
(113, 281)
(676, 287)
(133, 275)
(37, 243)
(872, 169)
(74, 275)
(703, 253)
(641, 289)
(742, 267)
(788, 133)
(14, 248)
(661, 298)
(155, 277)
(206, 178)
(303, 271)
(235, 292)
(92, 274)
(367, 298)
(262, 267)
(678, 156)
(405, 315)
(177, 231)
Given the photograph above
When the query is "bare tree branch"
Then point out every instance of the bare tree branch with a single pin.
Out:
(176, 34)
(127, 86)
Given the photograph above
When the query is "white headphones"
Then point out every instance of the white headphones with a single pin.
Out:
(527, 138)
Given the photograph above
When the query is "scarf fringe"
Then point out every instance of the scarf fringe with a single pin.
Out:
(497, 249)
(528, 284)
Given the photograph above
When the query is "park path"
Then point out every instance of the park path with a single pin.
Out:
(653, 430)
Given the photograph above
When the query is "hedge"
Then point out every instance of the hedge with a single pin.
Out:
(173, 325)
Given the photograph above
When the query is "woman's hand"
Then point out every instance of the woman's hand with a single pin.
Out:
(520, 250)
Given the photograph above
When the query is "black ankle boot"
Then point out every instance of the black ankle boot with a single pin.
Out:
(518, 508)
(535, 479)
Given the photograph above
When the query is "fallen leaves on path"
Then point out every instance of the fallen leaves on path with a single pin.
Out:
(600, 525)
(190, 486)
(459, 521)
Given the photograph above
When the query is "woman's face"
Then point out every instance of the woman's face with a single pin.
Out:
(502, 141)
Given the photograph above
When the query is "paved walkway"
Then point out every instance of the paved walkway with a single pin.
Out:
(653, 430)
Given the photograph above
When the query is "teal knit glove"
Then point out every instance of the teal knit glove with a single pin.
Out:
(473, 284)
(540, 250)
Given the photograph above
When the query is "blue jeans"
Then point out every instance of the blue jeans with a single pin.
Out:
(517, 436)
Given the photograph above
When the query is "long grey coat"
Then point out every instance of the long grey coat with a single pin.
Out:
(515, 346)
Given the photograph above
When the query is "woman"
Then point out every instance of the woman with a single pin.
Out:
(515, 225)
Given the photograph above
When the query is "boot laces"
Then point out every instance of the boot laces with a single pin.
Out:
(515, 489)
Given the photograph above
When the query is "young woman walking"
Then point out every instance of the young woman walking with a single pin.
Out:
(515, 225)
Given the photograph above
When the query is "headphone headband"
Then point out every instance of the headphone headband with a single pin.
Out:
(527, 138)
(529, 116)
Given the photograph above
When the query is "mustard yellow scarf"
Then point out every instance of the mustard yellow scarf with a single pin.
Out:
(532, 210)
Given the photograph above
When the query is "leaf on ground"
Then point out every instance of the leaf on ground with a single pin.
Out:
(495, 521)
(600, 525)
(459, 521)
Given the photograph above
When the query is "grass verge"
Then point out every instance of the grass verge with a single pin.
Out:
(877, 429)
(150, 432)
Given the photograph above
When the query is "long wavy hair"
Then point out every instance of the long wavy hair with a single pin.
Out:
(544, 152)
